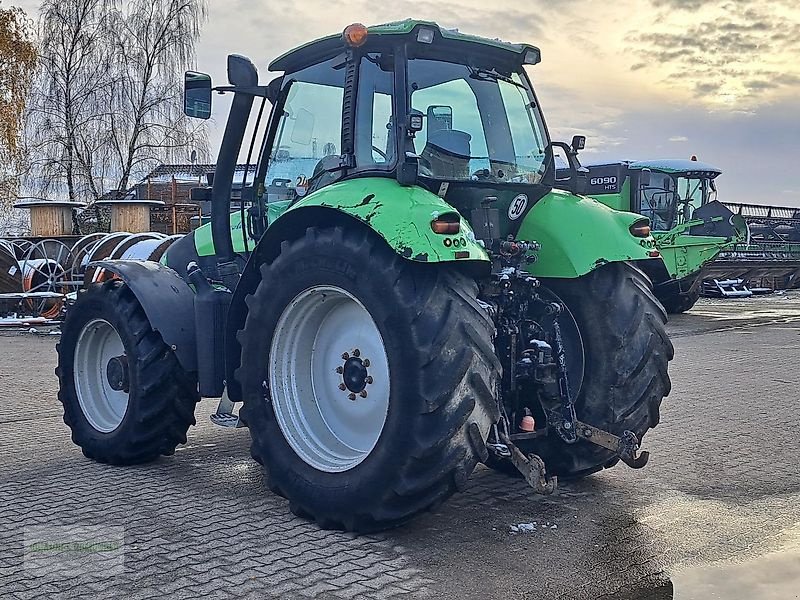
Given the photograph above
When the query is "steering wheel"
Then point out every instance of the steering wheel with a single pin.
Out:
(481, 175)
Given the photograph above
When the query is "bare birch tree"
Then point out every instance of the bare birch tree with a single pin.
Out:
(67, 106)
(154, 46)
(108, 96)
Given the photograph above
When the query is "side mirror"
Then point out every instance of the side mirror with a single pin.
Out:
(439, 117)
(578, 143)
(197, 95)
(644, 177)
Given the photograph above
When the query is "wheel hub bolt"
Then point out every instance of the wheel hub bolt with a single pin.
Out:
(351, 396)
(366, 362)
(339, 370)
(342, 387)
(369, 378)
(356, 352)
(363, 393)
(345, 355)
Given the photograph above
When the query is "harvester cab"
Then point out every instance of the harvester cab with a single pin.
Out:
(401, 293)
(690, 225)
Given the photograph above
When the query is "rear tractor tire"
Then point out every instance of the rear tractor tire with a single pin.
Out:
(369, 381)
(126, 398)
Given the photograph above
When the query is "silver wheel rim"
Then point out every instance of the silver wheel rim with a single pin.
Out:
(325, 348)
(103, 406)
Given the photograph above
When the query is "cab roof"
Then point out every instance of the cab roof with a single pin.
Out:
(326, 47)
(666, 165)
(676, 165)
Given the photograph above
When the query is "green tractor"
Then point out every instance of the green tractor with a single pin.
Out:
(689, 225)
(402, 294)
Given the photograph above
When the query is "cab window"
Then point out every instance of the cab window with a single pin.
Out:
(658, 201)
(375, 140)
(690, 194)
(309, 129)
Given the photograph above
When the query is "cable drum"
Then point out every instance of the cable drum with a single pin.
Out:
(21, 247)
(143, 249)
(39, 275)
(10, 272)
(81, 252)
(127, 245)
(101, 250)
(44, 276)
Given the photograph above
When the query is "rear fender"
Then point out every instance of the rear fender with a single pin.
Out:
(579, 234)
(401, 215)
(167, 301)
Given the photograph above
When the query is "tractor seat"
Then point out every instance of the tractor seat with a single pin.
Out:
(447, 153)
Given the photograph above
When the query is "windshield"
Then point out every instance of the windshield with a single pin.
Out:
(477, 124)
(670, 200)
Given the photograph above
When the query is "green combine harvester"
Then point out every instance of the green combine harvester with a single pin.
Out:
(403, 294)
(690, 226)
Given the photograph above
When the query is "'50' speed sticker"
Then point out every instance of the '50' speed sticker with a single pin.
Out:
(517, 207)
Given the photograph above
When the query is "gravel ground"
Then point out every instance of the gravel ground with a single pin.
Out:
(716, 513)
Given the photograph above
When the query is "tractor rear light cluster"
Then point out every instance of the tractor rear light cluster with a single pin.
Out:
(446, 224)
(640, 229)
(653, 253)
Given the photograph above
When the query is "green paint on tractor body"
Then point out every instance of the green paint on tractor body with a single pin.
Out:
(401, 216)
(577, 234)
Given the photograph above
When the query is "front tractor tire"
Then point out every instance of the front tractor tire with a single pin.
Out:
(369, 381)
(676, 304)
(626, 353)
(125, 396)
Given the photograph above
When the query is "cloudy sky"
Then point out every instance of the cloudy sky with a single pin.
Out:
(640, 78)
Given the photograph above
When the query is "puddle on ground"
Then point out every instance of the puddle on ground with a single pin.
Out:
(773, 576)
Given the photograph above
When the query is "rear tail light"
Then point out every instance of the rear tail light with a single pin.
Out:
(640, 229)
(446, 224)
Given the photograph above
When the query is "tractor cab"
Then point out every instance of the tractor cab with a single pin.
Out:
(669, 192)
(426, 106)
